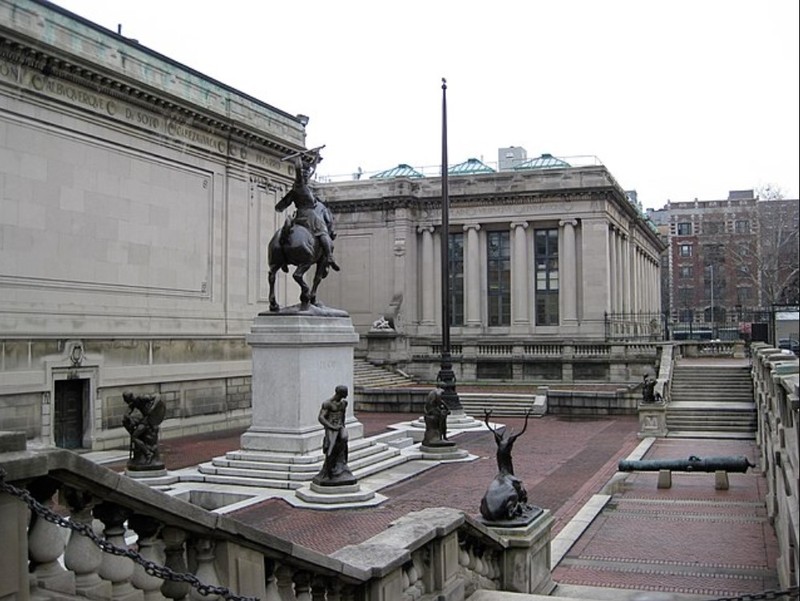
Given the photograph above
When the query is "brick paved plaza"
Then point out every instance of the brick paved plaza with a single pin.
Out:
(690, 539)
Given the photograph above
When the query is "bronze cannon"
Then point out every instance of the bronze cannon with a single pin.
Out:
(736, 464)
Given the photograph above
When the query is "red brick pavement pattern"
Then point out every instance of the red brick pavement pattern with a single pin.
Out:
(555, 459)
(689, 538)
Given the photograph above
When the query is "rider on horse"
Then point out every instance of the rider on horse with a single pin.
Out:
(305, 202)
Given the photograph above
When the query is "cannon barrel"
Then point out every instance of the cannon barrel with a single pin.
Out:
(692, 464)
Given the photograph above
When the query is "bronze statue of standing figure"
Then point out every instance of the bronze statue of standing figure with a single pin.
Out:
(436, 412)
(332, 416)
(306, 238)
(143, 421)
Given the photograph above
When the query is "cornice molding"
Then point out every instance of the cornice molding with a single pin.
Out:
(94, 79)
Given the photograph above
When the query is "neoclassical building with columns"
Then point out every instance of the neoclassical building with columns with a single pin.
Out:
(554, 272)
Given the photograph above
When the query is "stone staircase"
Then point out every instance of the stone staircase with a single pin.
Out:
(367, 456)
(502, 404)
(715, 401)
(366, 375)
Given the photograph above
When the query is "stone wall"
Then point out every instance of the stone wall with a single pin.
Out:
(136, 203)
(777, 395)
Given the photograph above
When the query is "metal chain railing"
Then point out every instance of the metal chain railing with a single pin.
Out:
(152, 568)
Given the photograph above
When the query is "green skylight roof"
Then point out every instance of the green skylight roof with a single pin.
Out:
(546, 161)
(469, 167)
(402, 170)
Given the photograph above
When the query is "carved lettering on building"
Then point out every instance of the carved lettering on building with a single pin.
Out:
(159, 124)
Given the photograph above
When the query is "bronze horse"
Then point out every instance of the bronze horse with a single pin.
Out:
(295, 245)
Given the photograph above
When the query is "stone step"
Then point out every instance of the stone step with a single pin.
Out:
(366, 375)
(711, 434)
(294, 479)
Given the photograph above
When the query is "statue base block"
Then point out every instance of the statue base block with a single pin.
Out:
(523, 520)
(298, 360)
(439, 452)
(334, 495)
(527, 561)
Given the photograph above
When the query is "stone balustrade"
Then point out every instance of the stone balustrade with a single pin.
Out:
(712, 348)
(777, 397)
(74, 529)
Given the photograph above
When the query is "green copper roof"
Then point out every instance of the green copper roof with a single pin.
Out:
(402, 170)
(546, 161)
(469, 167)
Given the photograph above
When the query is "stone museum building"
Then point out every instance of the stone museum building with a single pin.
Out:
(553, 268)
(136, 203)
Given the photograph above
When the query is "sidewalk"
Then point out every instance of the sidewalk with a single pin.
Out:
(691, 540)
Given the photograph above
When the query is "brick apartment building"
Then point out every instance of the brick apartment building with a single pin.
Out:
(729, 262)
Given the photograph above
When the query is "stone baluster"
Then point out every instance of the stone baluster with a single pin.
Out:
(302, 585)
(46, 544)
(206, 571)
(272, 593)
(319, 587)
(147, 530)
(411, 589)
(419, 567)
(334, 590)
(348, 592)
(175, 559)
(82, 555)
(116, 568)
(285, 582)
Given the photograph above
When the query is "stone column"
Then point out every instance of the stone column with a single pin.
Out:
(472, 285)
(612, 269)
(627, 276)
(635, 287)
(568, 273)
(619, 273)
(519, 275)
(428, 284)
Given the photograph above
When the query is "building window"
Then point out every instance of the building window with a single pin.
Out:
(745, 295)
(498, 272)
(685, 250)
(742, 226)
(714, 227)
(686, 271)
(685, 229)
(546, 259)
(456, 257)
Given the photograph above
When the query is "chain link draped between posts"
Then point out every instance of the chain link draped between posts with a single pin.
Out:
(152, 568)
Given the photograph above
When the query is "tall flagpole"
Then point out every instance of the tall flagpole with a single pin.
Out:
(446, 378)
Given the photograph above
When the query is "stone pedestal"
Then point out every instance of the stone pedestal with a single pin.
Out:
(334, 495)
(298, 360)
(442, 452)
(527, 559)
(652, 420)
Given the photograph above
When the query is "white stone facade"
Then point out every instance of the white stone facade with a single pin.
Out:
(389, 242)
(136, 203)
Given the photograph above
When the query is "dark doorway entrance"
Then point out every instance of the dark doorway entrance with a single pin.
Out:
(71, 398)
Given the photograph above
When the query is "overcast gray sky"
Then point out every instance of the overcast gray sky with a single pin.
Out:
(679, 99)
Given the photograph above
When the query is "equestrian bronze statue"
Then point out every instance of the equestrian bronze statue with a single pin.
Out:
(306, 238)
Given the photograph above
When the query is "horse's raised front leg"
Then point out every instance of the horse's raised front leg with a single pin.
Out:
(273, 304)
